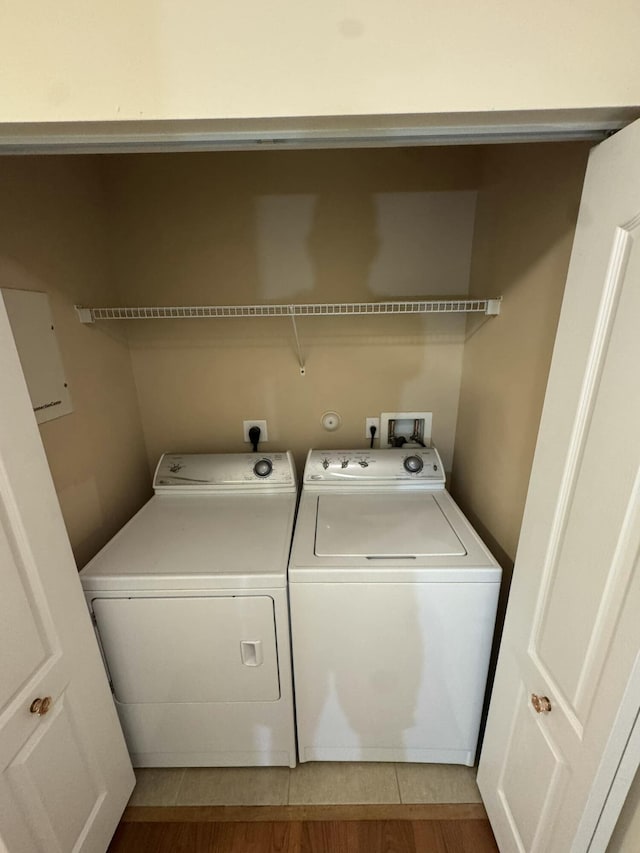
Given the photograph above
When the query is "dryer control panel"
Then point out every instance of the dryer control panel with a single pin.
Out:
(203, 473)
(408, 467)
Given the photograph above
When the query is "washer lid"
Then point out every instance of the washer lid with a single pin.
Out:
(384, 526)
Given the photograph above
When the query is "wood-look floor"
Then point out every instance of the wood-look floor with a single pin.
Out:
(305, 836)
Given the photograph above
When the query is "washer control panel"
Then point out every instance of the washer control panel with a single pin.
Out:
(375, 467)
(215, 472)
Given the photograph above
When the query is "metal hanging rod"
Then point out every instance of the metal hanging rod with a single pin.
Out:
(329, 309)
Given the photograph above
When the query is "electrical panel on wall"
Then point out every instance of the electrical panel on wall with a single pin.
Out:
(405, 429)
(31, 322)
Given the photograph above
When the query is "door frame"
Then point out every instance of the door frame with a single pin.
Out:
(618, 766)
(322, 132)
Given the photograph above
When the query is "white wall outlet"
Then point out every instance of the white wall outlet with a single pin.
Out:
(372, 422)
(246, 426)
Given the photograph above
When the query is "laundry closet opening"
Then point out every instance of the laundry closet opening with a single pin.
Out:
(233, 228)
(291, 227)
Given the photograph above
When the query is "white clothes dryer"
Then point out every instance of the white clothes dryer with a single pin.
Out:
(393, 601)
(189, 602)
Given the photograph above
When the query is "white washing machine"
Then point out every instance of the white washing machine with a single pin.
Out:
(190, 606)
(393, 600)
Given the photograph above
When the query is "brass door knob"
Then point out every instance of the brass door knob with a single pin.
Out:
(41, 706)
(541, 704)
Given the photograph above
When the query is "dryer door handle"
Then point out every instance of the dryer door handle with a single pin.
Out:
(251, 652)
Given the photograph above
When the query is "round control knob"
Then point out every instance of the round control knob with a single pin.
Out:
(263, 468)
(413, 464)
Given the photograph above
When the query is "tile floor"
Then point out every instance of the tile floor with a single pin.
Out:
(313, 783)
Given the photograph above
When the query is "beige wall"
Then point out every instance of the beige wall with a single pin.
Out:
(295, 226)
(153, 60)
(53, 239)
(241, 228)
(527, 209)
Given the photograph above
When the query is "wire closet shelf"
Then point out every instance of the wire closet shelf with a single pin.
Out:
(329, 309)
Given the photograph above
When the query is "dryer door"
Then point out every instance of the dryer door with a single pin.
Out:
(189, 649)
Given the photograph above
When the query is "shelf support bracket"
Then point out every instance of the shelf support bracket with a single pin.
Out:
(85, 315)
(297, 339)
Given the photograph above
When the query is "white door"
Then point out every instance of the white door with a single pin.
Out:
(65, 775)
(572, 632)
